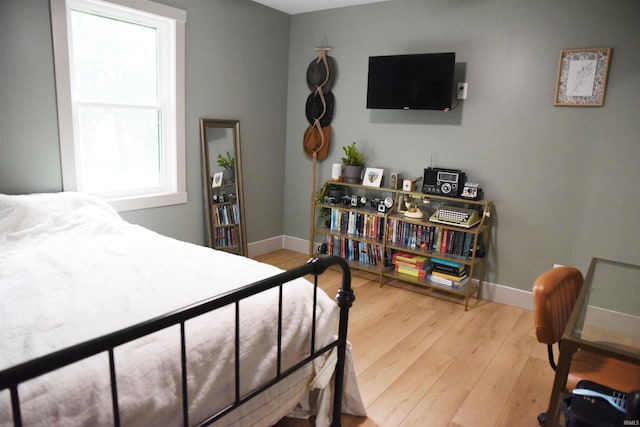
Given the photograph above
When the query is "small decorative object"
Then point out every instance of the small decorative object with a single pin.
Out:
(385, 205)
(217, 179)
(395, 181)
(412, 210)
(408, 185)
(582, 77)
(353, 164)
(372, 177)
(336, 171)
(471, 191)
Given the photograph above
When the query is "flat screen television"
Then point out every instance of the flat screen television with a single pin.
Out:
(411, 82)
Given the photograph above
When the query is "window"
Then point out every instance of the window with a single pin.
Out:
(120, 89)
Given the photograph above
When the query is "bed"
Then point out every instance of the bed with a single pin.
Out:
(103, 322)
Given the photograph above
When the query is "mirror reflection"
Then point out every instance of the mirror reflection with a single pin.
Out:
(222, 182)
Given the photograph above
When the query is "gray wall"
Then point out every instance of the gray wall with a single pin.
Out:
(237, 58)
(563, 179)
(553, 172)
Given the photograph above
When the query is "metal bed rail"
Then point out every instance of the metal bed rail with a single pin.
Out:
(12, 377)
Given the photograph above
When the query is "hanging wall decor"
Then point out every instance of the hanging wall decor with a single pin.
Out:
(582, 77)
(319, 105)
(321, 74)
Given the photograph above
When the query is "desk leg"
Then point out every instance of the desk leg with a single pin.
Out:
(560, 382)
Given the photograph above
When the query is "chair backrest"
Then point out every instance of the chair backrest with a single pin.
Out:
(554, 294)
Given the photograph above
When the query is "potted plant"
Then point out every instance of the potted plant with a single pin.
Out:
(353, 164)
(228, 163)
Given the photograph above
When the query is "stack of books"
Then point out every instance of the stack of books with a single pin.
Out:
(448, 273)
(410, 264)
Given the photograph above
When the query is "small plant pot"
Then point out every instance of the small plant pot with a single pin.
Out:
(229, 176)
(352, 174)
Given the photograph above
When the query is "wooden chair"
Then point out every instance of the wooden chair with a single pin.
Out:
(554, 295)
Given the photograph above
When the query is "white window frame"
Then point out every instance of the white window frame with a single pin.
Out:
(174, 190)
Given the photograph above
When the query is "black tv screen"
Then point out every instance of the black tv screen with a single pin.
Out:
(411, 82)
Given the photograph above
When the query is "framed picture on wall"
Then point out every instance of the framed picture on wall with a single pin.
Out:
(582, 77)
(372, 177)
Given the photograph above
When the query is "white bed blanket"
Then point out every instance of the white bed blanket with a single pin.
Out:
(72, 269)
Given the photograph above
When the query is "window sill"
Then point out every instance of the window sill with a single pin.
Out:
(144, 202)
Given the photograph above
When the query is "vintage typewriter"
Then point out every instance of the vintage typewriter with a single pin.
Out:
(457, 216)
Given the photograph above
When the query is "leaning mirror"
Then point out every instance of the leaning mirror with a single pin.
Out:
(222, 181)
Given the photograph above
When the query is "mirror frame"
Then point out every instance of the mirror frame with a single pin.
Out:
(207, 180)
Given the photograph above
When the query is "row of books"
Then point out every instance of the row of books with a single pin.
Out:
(365, 225)
(226, 214)
(354, 250)
(443, 272)
(429, 237)
(226, 236)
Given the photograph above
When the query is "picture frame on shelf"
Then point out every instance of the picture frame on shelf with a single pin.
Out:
(217, 179)
(373, 177)
(582, 77)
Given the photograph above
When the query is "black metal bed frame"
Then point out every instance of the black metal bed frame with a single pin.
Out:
(12, 377)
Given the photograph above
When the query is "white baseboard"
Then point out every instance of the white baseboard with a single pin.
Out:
(490, 291)
(265, 246)
(506, 295)
(280, 242)
(298, 245)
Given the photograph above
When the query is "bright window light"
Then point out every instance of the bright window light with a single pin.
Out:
(120, 81)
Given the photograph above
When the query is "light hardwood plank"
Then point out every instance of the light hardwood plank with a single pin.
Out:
(493, 388)
(530, 395)
(437, 407)
(406, 392)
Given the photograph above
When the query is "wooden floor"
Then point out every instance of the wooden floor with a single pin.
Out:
(424, 361)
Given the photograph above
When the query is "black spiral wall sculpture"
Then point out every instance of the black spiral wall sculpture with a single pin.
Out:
(319, 106)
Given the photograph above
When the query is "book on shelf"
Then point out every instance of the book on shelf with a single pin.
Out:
(417, 261)
(453, 277)
(446, 282)
(448, 269)
(409, 265)
(444, 241)
(448, 262)
(446, 273)
(414, 272)
(438, 240)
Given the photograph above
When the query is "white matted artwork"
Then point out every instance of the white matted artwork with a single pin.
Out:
(582, 77)
(217, 179)
(372, 177)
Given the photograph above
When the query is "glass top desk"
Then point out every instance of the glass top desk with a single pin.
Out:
(605, 319)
